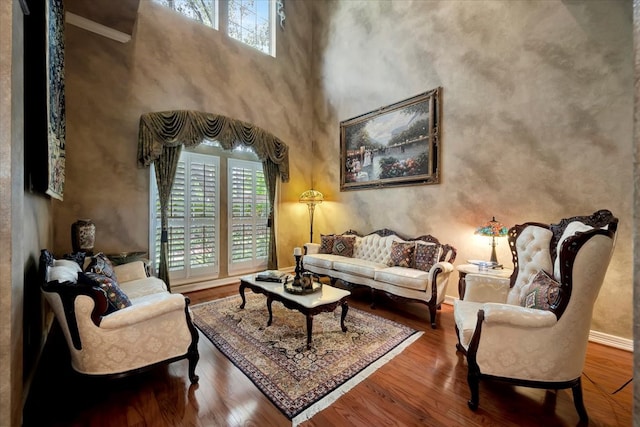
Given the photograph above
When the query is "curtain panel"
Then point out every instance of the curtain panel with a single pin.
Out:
(161, 136)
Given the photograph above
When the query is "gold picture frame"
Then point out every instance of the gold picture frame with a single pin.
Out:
(396, 145)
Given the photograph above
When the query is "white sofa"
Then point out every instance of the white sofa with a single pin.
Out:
(151, 326)
(371, 265)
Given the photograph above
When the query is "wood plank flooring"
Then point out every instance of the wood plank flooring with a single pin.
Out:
(423, 386)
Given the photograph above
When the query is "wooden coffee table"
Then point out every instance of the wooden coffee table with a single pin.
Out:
(324, 300)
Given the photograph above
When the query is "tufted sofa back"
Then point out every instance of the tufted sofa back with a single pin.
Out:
(375, 248)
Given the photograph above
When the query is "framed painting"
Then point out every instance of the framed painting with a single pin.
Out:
(396, 145)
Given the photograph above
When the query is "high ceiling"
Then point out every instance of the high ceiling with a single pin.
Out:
(119, 15)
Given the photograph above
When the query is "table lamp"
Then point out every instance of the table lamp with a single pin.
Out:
(493, 229)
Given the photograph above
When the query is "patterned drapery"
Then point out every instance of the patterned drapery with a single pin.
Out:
(161, 136)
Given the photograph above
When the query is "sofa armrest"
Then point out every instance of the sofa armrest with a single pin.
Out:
(130, 271)
(514, 315)
(144, 309)
(311, 248)
(481, 288)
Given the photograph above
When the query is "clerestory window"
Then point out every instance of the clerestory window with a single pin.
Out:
(249, 21)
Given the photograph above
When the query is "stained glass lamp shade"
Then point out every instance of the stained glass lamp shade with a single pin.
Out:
(493, 229)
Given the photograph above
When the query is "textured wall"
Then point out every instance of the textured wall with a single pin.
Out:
(174, 63)
(537, 119)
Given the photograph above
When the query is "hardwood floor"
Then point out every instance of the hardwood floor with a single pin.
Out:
(423, 386)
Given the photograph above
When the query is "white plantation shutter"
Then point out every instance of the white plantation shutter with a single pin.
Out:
(192, 218)
(248, 211)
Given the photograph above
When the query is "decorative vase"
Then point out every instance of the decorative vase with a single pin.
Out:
(83, 236)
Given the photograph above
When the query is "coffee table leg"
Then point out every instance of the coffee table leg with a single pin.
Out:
(241, 290)
(309, 330)
(269, 301)
(345, 308)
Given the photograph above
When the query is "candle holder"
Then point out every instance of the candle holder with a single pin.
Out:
(296, 279)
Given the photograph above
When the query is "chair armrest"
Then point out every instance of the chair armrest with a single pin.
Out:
(130, 271)
(481, 288)
(311, 248)
(144, 309)
(514, 315)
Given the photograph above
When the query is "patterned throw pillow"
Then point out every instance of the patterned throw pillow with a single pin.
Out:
(402, 254)
(426, 256)
(541, 292)
(343, 245)
(117, 298)
(326, 243)
(102, 265)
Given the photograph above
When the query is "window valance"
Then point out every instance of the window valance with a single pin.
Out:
(189, 128)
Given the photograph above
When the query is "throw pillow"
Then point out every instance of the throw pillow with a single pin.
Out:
(326, 243)
(102, 265)
(117, 298)
(426, 256)
(402, 254)
(62, 273)
(541, 292)
(77, 257)
(343, 245)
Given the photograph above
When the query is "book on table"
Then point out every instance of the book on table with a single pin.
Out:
(271, 276)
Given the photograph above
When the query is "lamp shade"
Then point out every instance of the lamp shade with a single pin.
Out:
(312, 196)
(492, 228)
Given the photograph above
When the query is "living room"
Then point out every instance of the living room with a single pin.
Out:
(537, 123)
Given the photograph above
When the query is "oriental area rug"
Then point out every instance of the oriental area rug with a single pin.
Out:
(298, 381)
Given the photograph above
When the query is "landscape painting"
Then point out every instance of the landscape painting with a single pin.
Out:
(392, 146)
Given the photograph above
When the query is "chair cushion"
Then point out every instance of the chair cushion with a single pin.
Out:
(402, 254)
(117, 298)
(426, 255)
(465, 314)
(343, 245)
(409, 278)
(540, 293)
(326, 243)
(357, 266)
(142, 287)
(320, 260)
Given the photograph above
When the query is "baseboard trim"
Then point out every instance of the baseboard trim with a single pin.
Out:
(214, 283)
(594, 336)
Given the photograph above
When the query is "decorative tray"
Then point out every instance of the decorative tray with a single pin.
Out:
(299, 290)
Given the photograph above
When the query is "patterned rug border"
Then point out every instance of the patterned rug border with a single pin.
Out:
(314, 407)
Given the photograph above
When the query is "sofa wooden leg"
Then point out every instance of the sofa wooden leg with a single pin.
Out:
(432, 313)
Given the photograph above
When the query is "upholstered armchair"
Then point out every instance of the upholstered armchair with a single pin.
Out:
(118, 320)
(532, 329)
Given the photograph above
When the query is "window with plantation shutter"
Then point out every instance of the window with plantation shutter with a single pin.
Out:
(248, 213)
(193, 221)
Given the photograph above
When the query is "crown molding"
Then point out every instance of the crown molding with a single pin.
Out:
(94, 27)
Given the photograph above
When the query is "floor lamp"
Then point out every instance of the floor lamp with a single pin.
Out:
(311, 198)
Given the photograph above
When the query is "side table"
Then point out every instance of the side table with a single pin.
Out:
(465, 269)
